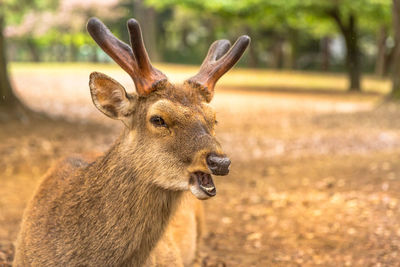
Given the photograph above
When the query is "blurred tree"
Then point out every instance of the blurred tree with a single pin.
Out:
(351, 19)
(347, 22)
(381, 51)
(12, 10)
(8, 98)
(395, 93)
(325, 53)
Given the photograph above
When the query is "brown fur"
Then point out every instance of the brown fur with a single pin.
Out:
(112, 212)
(179, 245)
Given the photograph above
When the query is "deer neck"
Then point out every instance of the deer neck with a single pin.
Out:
(140, 209)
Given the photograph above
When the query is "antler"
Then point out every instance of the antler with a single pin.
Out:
(217, 62)
(134, 61)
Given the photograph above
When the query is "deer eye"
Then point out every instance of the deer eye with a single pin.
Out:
(158, 121)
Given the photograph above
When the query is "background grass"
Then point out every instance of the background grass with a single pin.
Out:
(237, 78)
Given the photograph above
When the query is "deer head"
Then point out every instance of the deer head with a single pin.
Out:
(169, 128)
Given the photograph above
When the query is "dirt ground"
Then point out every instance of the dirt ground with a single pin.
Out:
(315, 177)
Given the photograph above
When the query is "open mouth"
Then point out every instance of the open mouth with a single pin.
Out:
(205, 182)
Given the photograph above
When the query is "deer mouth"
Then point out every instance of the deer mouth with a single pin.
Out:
(202, 185)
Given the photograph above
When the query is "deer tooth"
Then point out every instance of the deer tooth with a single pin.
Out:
(209, 188)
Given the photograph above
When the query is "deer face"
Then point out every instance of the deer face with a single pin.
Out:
(170, 128)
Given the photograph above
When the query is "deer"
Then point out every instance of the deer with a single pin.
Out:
(125, 207)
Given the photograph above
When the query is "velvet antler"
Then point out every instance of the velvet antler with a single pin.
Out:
(134, 61)
(217, 62)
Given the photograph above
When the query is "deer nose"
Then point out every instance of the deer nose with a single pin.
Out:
(218, 165)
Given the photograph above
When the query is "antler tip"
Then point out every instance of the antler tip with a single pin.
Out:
(92, 23)
(217, 50)
(133, 23)
(245, 39)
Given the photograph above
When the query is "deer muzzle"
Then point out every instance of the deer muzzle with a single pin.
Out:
(218, 165)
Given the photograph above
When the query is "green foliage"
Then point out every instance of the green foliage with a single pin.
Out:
(307, 15)
(14, 10)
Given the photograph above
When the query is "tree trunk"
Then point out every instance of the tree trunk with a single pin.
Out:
(147, 19)
(8, 98)
(184, 39)
(10, 106)
(381, 52)
(353, 55)
(395, 93)
(33, 49)
(291, 50)
(350, 35)
(277, 52)
(325, 53)
(389, 60)
(287, 62)
(252, 60)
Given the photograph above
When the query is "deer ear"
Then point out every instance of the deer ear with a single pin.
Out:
(110, 97)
